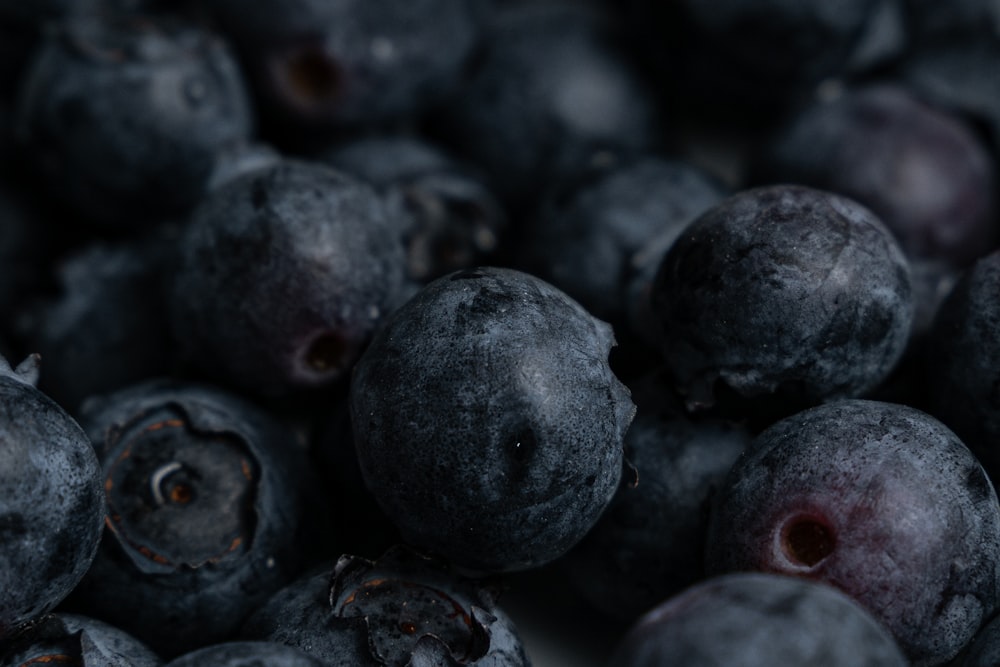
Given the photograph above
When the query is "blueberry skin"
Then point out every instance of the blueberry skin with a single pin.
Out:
(51, 502)
(404, 609)
(282, 275)
(754, 619)
(984, 649)
(554, 89)
(783, 289)
(880, 500)
(487, 422)
(451, 220)
(247, 654)
(352, 63)
(78, 640)
(921, 170)
(123, 116)
(649, 543)
(963, 355)
(586, 237)
(206, 497)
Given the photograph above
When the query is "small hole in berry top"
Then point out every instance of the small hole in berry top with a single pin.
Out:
(806, 541)
(328, 352)
(311, 76)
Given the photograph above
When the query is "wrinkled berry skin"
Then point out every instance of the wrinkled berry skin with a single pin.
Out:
(783, 289)
(206, 502)
(123, 116)
(403, 610)
(77, 640)
(758, 620)
(247, 654)
(984, 649)
(963, 358)
(880, 500)
(51, 502)
(487, 422)
(282, 275)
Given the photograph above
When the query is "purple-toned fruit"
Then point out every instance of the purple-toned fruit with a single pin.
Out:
(282, 276)
(782, 292)
(880, 500)
(758, 620)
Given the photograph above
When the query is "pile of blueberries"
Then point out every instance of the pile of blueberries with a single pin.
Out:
(326, 322)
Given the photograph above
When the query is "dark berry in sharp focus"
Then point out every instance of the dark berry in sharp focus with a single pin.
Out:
(553, 90)
(206, 502)
(247, 654)
(106, 327)
(403, 609)
(963, 361)
(880, 500)
(921, 170)
(450, 218)
(282, 276)
(488, 424)
(77, 641)
(649, 543)
(984, 649)
(350, 63)
(758, 620)
(586, 236)
(785, 292)
(123, 116)
(51, 505)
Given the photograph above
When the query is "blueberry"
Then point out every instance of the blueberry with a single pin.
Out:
(350, 64)
(963, 355)
(649, 543)
(752, 620)
(247, 654)
(783, 291)
(450, 218)
(403, 609)
(880, 500)
(487, 422)
(984, 649)
(282, 275)
(921, 170)
(123, 116)
(76, 640)
(553, 89)
(585, 238)
(206, 502)
(51, 504)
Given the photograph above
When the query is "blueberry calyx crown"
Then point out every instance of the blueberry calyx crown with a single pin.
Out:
(414, 608)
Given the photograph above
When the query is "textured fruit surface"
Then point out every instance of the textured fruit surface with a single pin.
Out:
(488, 424)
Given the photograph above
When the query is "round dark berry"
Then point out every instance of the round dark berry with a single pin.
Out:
(783, 290)
(880, 500)
(487, 422)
